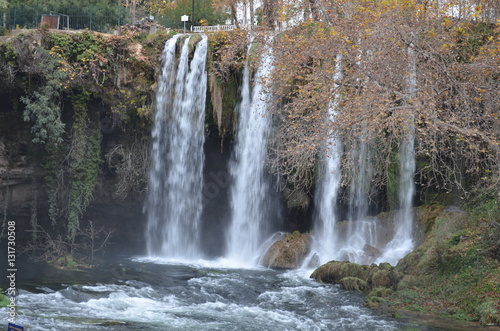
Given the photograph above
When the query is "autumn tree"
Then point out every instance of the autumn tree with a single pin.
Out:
(455, 105)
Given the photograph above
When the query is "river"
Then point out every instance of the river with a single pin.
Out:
(133, 293)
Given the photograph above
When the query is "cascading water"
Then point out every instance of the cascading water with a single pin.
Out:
(175, 195)
(347, 240)
(250, 191)
(353, 241)
(402, 243)
(360, 182)
(326, 198)
(360, 231)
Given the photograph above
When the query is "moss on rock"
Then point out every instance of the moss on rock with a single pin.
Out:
(373, 275)
(354, 283)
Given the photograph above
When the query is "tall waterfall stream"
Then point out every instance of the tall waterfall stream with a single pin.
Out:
(250, 191)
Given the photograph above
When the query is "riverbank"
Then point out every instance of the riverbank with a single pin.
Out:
(454, 273)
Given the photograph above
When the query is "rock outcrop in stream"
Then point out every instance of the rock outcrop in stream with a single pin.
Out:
(289, 252)
(358, 277)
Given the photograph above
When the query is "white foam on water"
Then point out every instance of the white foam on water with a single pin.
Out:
(221, 263)
(220, 299)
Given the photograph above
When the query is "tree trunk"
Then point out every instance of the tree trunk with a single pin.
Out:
(268, 15)
(313, 5)
(234, 14)
(251, 13)
(133, 12)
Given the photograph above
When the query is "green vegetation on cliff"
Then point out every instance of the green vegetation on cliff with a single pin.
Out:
(456, 270)
(225, 65)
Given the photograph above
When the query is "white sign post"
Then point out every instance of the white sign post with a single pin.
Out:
(184, 18)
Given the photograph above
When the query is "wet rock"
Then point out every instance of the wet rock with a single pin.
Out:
(334, 271)
(380, 278)
(371, 252)
(313, 262)
(289, 252)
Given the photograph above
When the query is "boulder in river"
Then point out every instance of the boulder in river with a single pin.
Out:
(289, 252)
(356, 276)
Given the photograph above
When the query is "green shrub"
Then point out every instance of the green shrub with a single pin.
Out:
(487, 313)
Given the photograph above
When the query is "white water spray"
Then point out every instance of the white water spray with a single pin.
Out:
(250, 190)
(174, 201)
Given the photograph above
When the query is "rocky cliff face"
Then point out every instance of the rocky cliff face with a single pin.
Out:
(104, 83)
(104, 90)
(15, 170)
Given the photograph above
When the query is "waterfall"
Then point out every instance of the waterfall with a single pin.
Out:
(360, 230)
(402, 242)
(249, 194)
(360, 183)
(174, 201)
(326, 241)
(346, 240)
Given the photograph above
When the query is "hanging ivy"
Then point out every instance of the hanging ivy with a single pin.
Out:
(43, 103)
(84, 161)
(54, 180)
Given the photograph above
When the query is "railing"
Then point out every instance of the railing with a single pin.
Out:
(103, 19)
(214, 28)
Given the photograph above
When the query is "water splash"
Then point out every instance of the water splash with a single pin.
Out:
(174, 201)
(249, 195)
